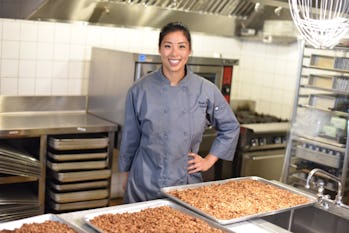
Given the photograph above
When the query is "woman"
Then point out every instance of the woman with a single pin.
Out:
(167, 112)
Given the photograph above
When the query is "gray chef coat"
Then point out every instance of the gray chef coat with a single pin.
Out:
(163, 124)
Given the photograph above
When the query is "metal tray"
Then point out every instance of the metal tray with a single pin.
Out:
(78, 143)
(78, 205)
(146, 205)
(82, 176)
(37, 219)
(311, 198)
(79, 196)
(80, 185)
(87, 165)
(77, 156)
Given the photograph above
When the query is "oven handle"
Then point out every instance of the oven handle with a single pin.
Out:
(265, 157)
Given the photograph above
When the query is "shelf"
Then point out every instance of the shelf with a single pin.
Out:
(325, 142)
(332, 112)
(326, 89)
(320, 120)
(16, 179)
(326, 69)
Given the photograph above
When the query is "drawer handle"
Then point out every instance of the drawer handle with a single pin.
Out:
(266, 157)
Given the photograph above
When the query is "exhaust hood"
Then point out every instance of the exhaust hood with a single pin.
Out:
(230, 18)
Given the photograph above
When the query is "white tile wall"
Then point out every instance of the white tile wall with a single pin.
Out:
(51, 58)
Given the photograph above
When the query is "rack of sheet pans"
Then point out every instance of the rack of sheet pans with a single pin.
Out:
(19, 175)
(78, 172)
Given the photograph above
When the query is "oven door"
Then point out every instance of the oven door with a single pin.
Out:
(266, 164)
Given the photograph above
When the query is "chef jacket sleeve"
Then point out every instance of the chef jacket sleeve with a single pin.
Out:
(224, 121)
(130, 135)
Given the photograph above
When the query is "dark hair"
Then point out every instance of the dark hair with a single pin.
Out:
(173, 27)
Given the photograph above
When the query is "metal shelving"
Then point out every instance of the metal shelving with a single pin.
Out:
(320, 120)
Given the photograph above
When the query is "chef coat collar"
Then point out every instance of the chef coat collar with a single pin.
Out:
(184, 81)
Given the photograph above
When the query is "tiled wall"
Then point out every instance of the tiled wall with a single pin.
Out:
(267, 73)
(51, 58)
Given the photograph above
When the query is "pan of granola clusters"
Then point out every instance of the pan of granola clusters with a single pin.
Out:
(160, 215)
(40, 224)
(238, 199)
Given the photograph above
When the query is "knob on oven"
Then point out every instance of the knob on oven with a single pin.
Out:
(226, 89)
(254, 142)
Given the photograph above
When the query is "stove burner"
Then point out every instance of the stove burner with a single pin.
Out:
(250, 117)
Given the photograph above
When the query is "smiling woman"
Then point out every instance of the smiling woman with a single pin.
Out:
(167, 112)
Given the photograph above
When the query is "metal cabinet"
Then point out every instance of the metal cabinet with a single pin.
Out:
(318, 135)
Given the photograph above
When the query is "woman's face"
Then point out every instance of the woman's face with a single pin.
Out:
(174, 51)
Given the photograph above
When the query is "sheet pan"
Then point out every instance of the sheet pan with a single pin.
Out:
(145, 205)
(77, 165)
(77, 156)
(37, 219)
(312, 199)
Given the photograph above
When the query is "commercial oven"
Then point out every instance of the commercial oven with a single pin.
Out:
(262, 149)
(217, 70)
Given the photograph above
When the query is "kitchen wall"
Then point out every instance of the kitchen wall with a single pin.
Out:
(52, 58)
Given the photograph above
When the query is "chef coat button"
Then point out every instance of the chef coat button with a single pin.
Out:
(183, 111)
(216, 108)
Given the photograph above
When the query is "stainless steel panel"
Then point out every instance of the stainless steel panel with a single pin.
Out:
(37, 219)
(266, 164)
(312, 199)
(19, 125)
(77, 156)
(79, 196)
(111, 74)
(146, 205)
(82, 175)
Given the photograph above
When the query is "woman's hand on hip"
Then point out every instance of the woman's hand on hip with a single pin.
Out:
(196, 163)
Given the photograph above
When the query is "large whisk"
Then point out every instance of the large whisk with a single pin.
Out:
(322, 23)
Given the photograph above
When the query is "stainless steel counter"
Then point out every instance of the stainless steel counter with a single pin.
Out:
(52, 123)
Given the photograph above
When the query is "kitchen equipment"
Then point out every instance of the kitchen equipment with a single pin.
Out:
(166, 191)
(261, 147)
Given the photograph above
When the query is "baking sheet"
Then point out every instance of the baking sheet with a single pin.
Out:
(146, 205)
(312, 199)
(78, 143)
(77, 156)
(78, 205)
(85, 165)
(37, 219)
(82, 175)
(79, 196)
(79, 186)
